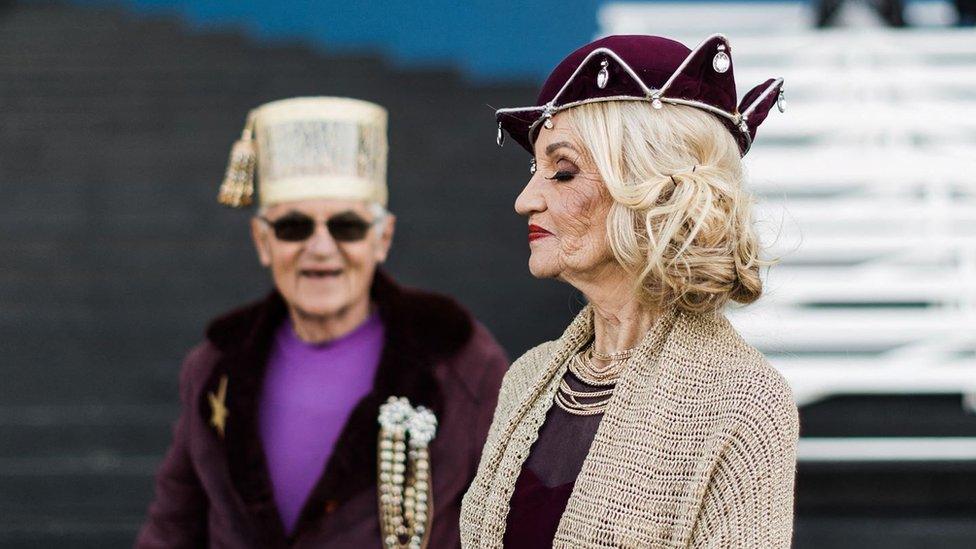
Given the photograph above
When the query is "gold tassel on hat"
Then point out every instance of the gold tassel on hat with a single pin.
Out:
(237, 190)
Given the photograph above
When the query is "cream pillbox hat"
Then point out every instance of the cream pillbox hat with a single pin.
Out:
(309, 147)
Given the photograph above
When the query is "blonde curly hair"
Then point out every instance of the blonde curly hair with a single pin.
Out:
(680, 220)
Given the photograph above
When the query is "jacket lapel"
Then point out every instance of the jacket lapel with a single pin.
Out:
(245, 337)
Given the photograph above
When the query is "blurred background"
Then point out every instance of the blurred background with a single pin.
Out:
(116, 118)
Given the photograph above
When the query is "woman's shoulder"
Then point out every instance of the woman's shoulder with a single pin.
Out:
(733, 372)
(753, 389)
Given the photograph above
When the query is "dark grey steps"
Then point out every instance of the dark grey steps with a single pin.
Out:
(867, 489)
(87, 487)
(88, 442)
(903, 532)
(889, 416)
(46, 532)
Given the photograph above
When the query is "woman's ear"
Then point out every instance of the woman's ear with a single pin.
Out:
(385, 238)
(262, 240)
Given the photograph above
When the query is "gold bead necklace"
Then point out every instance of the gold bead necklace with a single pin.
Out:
(589, 403)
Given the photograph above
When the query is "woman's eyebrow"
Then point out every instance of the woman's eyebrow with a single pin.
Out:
(559, 144)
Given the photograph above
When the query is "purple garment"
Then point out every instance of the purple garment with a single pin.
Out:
(308, 392)
(548, 476)
(535, 512)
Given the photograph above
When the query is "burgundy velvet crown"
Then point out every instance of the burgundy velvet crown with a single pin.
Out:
(647, 68)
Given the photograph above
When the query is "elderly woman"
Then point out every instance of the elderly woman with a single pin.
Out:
(650, 422)
(286, 437)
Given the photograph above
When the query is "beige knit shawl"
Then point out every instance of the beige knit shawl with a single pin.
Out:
(696, 449)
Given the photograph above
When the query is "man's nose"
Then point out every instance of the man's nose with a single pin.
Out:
(321, 241)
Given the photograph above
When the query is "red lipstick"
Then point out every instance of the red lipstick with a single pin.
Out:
(536, 232)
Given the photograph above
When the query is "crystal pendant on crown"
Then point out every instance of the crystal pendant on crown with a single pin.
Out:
(721, 62)
(604, 75)
(547, 113)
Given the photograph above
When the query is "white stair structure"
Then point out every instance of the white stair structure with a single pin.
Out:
(866, 192)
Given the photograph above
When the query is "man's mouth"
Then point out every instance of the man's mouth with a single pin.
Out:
(320, 273)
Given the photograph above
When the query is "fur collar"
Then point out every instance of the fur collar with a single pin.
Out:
(421, 330)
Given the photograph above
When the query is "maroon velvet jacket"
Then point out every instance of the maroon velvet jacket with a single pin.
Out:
(216, 492)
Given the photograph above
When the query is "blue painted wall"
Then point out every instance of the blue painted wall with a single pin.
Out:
(486, 40)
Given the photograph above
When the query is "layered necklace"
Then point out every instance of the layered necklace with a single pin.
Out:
(602, 374)
(404, 473)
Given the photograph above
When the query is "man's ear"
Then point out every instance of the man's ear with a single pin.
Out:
(262, 241)
(386, 238)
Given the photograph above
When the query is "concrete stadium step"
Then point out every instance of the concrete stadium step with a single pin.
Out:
(50, 432)
(235, 56)
(133, 379)
(877, 489)
(888, 415)
(905, 532)
(125, 308)
(41, 532)
(140, 65)
(62, 92)
(78, 489)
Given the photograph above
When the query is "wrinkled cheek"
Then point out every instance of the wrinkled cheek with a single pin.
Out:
(575, 251)
(578, 238)
(584, 253)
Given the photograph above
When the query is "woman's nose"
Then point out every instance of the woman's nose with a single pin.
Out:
(530, 200)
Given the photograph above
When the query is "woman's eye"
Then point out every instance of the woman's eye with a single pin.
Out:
(562, 175)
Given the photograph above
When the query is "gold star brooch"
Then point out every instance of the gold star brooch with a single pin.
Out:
(218, 411)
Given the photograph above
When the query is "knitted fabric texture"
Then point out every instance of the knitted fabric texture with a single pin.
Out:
(696, 449)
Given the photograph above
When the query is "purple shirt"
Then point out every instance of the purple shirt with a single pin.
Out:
(308, 393)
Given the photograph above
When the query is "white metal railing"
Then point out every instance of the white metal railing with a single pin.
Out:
(888, 449)
(866, 192)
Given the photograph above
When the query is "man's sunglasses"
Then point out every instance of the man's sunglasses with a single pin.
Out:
(296, 227)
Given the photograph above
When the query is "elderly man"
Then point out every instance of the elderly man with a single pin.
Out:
(342, 410)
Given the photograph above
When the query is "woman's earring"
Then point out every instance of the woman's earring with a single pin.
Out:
(532, 167)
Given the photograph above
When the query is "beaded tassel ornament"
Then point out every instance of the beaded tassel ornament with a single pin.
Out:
(404, 477)
(237, 190)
